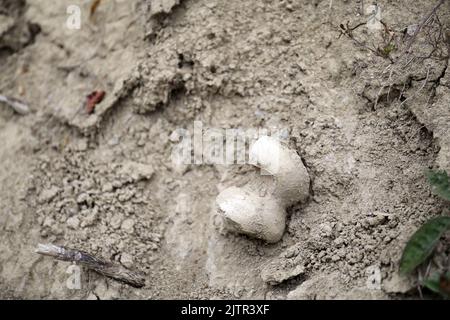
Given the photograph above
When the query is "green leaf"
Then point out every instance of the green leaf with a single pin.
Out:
(440, 183)
(422, 243)
(388, 49)
(433, 283)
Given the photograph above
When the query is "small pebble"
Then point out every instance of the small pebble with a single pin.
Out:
(48, 194)
(126, 260)
(73, 222)
(128, 225)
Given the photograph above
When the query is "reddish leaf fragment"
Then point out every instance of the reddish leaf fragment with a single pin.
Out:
(444, 284)
(93, 99)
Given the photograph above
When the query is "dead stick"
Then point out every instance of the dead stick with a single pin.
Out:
(423, 23)
(106, 268)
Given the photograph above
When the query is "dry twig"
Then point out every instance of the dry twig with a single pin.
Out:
(106, 268)
(424, 22)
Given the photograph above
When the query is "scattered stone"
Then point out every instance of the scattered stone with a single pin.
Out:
(48, 221)
(126, 260)
(302, 292)
(326, 229)
(335, 258)
(376, 220)
(107, 187)
(114, 141)
(411, 29)
(162, 6)
(179, 163)
(339, 241)
(116, 221)
(48, 194)
(84, 197)
(326, 286)
(117, 184)
(90, 218)
(128, 225)
(280, 270)
(126, 195)
(92, 296)
(175, 136)
(398, 284)
(73, 222)
(82, 145)
(137, 171)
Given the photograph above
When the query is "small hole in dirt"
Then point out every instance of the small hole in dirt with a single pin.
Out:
(213, 69)
(5, 51)
(180, 60)
(34, 29)
(183, 61)
(178, 91)
(211, 35)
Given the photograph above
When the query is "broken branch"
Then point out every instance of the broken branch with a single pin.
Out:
(99, 265)
(423, 23)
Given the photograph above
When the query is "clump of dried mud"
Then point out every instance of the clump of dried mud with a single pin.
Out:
(105, 183)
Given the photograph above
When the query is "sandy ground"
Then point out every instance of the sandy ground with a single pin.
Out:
(105, 182)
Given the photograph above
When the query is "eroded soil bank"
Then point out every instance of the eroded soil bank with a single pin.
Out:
(105, 183)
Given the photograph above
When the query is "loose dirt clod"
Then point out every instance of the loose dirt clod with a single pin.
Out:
(162, 6)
